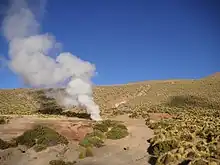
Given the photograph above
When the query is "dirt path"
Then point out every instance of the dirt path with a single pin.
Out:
(130, 150)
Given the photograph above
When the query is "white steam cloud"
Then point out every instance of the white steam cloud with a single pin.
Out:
(29, 58)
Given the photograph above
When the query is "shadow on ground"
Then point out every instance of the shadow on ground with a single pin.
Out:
(192, 101)
(49, 106)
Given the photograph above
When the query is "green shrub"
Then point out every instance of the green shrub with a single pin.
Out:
(117, 133)
(101, 127)
(41, 136)
(97, 133)
(89, 152)
(82, 155)
(92, 141)
(122, 126)
(86, 152)
(105, 125)
(110, 123)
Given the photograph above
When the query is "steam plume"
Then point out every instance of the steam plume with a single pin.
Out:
(29, 57)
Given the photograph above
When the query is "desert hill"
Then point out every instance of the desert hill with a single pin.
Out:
(127, 97)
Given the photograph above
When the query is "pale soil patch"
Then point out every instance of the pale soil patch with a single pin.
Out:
(122, 102)
(71, 128)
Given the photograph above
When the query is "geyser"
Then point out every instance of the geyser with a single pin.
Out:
(30, 58)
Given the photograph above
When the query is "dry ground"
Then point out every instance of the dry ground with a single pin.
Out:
(74, 129)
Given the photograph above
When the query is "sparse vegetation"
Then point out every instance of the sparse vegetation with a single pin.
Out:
(106, 129)
(112, 130)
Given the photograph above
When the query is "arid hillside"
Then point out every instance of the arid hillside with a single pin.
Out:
(116, 99)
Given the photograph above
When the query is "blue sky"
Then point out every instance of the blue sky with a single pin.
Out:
(134, 40)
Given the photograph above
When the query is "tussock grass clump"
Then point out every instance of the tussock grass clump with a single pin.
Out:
(94, 139)
(4, 120)
(186, 137)
(86, 152)
(167, 158)
(41, 137)
(191, 155)
(199, 162)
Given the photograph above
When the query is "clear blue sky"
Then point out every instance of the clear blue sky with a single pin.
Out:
(134, 40)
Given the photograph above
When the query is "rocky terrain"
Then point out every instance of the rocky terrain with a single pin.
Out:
(150, 122)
